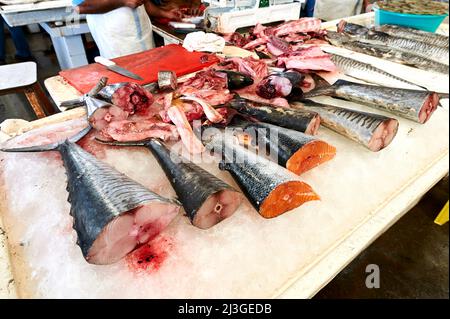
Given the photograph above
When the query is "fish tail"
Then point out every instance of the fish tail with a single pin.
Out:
(77, 137)
(81, 101)
(48, 147)
(443, 95)
(99, 86)
(32, 149)
(115, 143)
(73, 104)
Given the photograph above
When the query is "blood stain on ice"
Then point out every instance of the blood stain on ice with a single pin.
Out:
(150, 257)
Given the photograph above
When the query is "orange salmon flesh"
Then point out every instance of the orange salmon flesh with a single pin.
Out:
(287, 197)
(309, 156)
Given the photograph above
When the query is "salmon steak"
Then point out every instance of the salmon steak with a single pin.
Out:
(270, 188)
(296, 151)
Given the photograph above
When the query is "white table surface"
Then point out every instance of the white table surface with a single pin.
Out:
(17, 75)
(43, 5)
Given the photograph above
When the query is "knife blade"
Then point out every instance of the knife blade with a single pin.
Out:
(112, 66)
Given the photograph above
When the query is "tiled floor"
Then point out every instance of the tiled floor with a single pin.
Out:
(413, 255)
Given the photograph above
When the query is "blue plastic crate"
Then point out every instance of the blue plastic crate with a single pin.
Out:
(428, 23)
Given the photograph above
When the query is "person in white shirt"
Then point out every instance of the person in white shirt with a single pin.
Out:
(122, 27)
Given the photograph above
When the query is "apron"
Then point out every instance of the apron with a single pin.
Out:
(122, 31)
(336, 9)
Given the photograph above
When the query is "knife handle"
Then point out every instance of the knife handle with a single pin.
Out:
(103, 61)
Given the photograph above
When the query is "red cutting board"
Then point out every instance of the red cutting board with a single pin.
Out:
(146, 64)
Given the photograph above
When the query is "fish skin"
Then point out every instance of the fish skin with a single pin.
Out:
(91, 101)
(262, 55)
(414, 34)
(351, 28)
(237, 80)
(369, 73)
(108, 91)
(102, 83)
(383, 52)
(402, 102)
(193, 185)
(72, 104)
(425, 50)
(282, 143)
(356, 125)
(167, 81)
(297, 120)
(258, 177)
(435, 53)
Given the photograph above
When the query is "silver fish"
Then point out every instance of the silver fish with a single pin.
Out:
(414, 105)
(425, 50)
(373, 131)
(414, 34)
(386, 53)
(369, 73)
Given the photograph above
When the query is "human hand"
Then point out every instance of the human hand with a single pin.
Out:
(193, 12)
(173, 15)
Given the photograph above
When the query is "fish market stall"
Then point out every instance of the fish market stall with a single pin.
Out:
(362, 194)
(221, 17)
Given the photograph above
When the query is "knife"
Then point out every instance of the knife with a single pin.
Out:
(110, 65)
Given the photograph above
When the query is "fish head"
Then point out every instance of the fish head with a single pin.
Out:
(352, 28)
(237, 80)
(337, 38)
